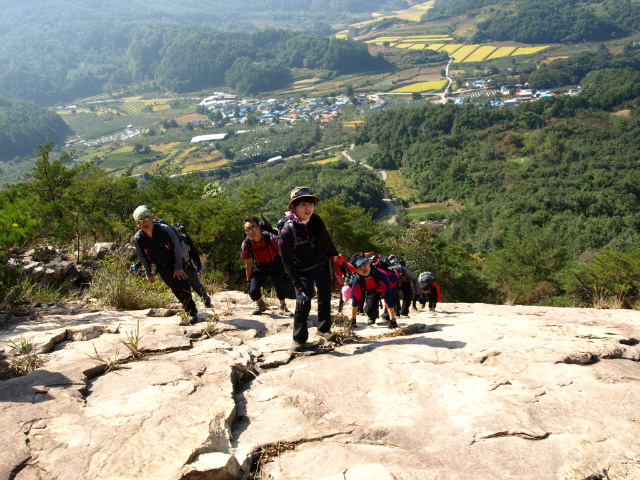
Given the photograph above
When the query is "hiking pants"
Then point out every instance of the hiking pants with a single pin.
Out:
(372, 305)
(180, 288)
(194, 280)
(321, 276)
(407, 296)
(395, 293)
(431, 296)
(260, 274)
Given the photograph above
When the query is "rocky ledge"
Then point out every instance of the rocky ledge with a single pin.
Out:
(472, 391)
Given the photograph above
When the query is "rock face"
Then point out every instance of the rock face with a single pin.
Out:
(473, 391)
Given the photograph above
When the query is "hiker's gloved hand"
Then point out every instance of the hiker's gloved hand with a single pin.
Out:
(302, 295)
(249, 286)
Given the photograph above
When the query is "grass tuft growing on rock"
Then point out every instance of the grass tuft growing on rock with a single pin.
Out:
(30, 291)
(132, 342)
(114, 286)
(21, 360)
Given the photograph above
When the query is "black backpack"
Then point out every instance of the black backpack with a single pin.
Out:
(426, 279)
(265, 226)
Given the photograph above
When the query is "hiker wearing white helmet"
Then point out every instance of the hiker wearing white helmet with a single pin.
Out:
(158, 244)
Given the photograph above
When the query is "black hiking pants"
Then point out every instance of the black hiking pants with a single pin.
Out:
(407, 297)
(431, 296)
(260, 274)
(321, 276)
(180, 288)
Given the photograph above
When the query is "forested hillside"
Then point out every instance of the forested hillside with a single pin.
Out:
(23, 125)
(545, 21)
(56, 51)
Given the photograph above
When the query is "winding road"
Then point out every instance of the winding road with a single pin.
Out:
(389, 208)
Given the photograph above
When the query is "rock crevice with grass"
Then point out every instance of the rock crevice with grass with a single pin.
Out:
(475, 391)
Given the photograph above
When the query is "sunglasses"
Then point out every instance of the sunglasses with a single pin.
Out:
(143, 219)
(251, 229)
(303, 191)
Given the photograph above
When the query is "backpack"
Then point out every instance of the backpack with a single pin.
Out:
(396, 260)
(426, 279)
(287, 223)
(186, 257)
(267, 238)
(265, 226)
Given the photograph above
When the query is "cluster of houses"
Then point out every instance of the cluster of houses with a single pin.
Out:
(516, 93)
(237, 111)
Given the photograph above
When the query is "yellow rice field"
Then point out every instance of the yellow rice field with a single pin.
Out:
(528, 50)
(326, 160)
(417, 46)
(194, 167)
(480, 54)
(463, 52)
(422, 87)
(163, 147)
(501, 52)
(450, 48)
(435, 46)
(186, 152)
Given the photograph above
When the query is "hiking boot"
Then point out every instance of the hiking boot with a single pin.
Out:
(432, 309)
(193, 318)
(329, 337)
(261, 307)
(296, 347)
(371, 321)
(283, 310)
(207, 302)
(327, 340)
(393, 324)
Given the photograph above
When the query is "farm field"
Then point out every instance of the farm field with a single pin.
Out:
(422, 212)
(459, 52)
(395, 183)
(421, 87)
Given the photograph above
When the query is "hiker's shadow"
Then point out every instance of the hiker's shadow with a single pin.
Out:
(411, 340)
(245, 324)
(33, 388)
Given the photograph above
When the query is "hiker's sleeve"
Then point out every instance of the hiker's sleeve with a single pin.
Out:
(356, 293)
(177, 249)
(414, 280)
(142, 257)
(388, 295)
(286, 252)
(333, 251)
(274, 243)
(193, 252)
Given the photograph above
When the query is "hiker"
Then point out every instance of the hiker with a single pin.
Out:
(262, 259)
(374, 282)
(407, 278)
(158, 244)
(305, 246)
(429, 291)
(193, 265)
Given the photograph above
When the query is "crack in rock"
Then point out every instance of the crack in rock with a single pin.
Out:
(267, 453)
(525, 434)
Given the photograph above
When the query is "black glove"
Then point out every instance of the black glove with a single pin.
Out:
(249, 286)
